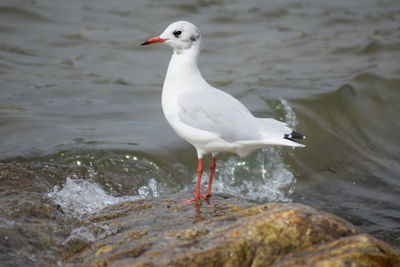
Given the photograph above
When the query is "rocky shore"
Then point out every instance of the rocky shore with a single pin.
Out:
(224, 231)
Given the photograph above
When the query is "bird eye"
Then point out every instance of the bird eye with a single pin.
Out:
(177, 33)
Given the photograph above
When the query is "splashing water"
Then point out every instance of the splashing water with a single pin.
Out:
(288, 114)
(79, 197)
(150, 189)
(262, 176)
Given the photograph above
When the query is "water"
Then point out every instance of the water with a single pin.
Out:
(82, 126)
(79, 197)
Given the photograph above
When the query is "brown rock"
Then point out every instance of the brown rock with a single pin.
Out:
(358, 250)
(230, 232)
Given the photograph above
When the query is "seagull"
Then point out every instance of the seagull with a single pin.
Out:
(211, 120)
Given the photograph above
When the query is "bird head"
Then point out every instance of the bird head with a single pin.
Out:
(180, 35)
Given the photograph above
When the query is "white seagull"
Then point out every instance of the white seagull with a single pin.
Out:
(208, 118)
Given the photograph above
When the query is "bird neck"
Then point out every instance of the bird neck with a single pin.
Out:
(183, 64)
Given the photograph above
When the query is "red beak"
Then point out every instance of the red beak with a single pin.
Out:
(153, 40)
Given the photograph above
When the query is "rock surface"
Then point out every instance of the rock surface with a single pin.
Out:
(226, 232)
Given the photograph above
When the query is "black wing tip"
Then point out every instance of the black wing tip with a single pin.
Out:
(294, 135)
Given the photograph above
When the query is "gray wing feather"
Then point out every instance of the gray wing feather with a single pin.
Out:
(223, 114)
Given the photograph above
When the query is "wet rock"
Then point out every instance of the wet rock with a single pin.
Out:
(228, 232)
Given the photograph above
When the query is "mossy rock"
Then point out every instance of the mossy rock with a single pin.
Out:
(230, 232)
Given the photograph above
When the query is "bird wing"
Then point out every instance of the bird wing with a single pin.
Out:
(218, 112)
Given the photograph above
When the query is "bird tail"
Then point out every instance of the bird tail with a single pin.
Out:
(282, 142)
(294, 135)
(278, 133)
(270, 141)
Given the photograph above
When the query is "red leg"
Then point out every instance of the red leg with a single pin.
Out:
(212, 170)
(199, 174)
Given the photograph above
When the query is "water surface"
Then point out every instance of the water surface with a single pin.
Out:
(81, 119)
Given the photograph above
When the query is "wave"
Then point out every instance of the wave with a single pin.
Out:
(352, 149)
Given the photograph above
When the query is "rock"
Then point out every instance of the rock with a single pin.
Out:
(358, 250)
(228, 232)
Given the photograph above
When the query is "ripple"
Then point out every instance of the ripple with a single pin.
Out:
(16, 50)
(20, 14)
(367, 48)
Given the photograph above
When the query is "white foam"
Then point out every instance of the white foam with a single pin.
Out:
(79, 197)
(289, 115)
(261, 176)
(150, 190)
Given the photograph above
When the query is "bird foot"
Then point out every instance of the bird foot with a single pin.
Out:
(190, 199)
(195, 198)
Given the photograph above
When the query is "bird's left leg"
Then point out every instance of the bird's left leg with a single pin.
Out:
(210, 180)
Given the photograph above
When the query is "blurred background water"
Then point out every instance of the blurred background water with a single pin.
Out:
(81, 125)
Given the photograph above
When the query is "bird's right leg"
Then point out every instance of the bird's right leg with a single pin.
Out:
(199, 174)
(212, 170)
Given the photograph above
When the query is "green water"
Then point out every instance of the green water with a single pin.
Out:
(80, 102)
